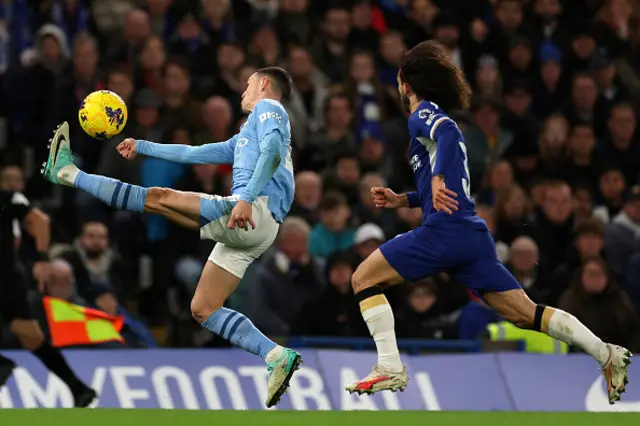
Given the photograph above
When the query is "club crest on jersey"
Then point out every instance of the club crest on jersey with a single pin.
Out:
(415, 163)
(426, 114)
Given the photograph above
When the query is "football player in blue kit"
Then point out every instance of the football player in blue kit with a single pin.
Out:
(244, 224)
(452, 238)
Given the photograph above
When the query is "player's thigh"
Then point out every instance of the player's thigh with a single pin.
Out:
(180, 207)
(374, 270)
(216, 284)
(489, 279)
(217, 210)
(411, 256)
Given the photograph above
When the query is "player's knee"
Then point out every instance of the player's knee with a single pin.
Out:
(360, 280)
(201, 309)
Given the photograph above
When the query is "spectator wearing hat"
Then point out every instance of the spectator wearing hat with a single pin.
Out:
(551, 92)
(583, 47)
(485, 138)
(367, 239)
(604, 71)
(621, 145)
(622, 234)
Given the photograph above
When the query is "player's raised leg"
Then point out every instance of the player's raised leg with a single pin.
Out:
(215, 286)
(389, 373)
(182, 208)
(516, 307)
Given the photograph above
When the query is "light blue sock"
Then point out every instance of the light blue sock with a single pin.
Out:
(113, 192)
(240, 331)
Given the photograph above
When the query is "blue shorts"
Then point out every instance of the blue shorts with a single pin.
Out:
(463, 249)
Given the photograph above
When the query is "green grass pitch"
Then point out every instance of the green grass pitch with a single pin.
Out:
(106, 417)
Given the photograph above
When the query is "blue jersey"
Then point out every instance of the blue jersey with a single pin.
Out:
(260, 154)
(437, 148)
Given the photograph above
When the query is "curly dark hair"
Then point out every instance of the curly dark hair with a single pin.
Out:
(429, 72)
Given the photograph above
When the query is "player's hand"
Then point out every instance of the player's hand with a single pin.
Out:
(127, 148)
(241, 216)
(41, 272)
(385, 198)
(443, 198)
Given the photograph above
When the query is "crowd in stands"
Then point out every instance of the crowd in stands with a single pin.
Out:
(552, 140)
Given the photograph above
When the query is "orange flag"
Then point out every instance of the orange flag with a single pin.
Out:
(71, 324)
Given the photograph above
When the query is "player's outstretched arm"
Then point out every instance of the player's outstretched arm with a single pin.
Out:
(212, 153)
(387, 199)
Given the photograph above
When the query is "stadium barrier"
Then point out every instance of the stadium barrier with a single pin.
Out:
(233, 379)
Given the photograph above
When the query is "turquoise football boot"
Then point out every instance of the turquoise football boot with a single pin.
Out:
(280, 372)
(59, 168)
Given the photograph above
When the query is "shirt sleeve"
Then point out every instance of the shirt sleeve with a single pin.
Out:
(413, 198)
(211, 153)
(268, 162)
(448, 137)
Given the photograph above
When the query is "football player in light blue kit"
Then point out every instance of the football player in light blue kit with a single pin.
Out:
(244, 224)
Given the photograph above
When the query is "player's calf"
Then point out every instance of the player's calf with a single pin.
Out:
(515, 306)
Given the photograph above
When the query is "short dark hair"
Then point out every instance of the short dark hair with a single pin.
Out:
(280, 77)
(332, 200)
(431, 75)
(590, 226)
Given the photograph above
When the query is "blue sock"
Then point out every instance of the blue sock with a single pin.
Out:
(240, 331)
(113, 192)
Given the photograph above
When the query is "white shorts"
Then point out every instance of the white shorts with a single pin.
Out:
(237, 248)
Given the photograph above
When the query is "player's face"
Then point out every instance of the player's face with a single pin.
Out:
(404, 97)
(251, 95)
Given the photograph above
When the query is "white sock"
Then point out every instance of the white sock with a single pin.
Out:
(380, 322)
(564, 326)
(274, 354)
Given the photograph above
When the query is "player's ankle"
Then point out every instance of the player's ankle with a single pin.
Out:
(392, 364)
(274, 354)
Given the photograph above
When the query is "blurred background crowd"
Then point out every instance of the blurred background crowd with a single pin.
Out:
(552, 140)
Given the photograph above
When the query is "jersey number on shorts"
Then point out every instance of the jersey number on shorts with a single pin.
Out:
(466, 181)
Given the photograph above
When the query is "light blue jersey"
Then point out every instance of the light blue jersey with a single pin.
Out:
(260, 154)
